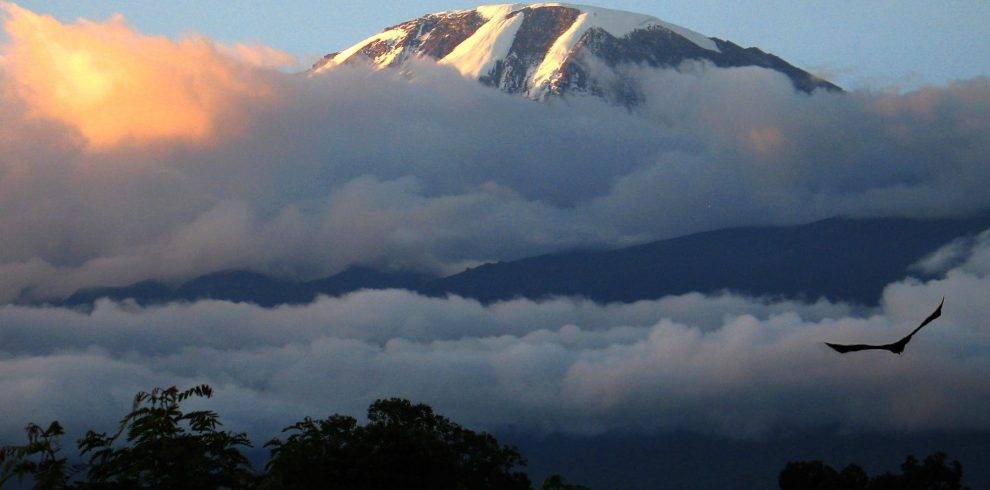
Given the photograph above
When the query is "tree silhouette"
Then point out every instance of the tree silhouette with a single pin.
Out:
(816, 475)
(557, 482)
(38, 459)
(402, 446)
(933, 474)
(160, 446)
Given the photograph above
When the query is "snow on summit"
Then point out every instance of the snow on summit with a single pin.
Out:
(544, 49)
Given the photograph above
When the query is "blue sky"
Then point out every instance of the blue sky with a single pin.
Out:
(125, 160)
(859, 44)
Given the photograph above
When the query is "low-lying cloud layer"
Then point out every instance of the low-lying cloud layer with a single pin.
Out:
(171, 159)
(126, 157)
(719, 364)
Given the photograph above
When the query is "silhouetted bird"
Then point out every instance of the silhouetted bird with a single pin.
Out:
(896, 347)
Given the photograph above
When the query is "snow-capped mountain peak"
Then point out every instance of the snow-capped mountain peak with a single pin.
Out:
(543, 49)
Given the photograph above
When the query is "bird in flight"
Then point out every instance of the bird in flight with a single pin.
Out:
(896, 347)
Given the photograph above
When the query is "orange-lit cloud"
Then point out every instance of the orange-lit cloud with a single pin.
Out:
(114, 84)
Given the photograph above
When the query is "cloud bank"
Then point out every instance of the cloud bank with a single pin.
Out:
(126, 157)
(722, 364)
(167, 159)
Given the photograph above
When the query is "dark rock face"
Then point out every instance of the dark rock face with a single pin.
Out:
(377, 49)
(540, 28)
(324, 60)
(659, 47)
(734, 55)
(447, 33)
(653, 46)
(433, 36)
(596, 65)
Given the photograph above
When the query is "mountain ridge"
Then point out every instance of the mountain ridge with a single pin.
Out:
(541, 50)
(839, 259)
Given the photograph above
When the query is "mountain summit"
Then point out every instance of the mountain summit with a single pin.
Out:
(545, 49)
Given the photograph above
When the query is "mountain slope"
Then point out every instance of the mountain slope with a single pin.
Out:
(545, 49)
(840, 259)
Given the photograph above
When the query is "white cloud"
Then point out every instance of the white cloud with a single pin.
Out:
(724, 364)
(362, 167)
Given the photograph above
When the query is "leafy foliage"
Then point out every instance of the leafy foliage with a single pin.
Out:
(557, 482)
(402, 446)
(38, 459)
(158, 445)
(933, 474)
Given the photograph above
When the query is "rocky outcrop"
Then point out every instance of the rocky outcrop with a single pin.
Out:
(544, 50)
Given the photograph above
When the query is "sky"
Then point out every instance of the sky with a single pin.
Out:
(119, 147)
(877, 44)
(126, 156)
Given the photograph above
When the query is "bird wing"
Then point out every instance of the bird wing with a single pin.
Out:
(935, 314)
(842, 349)
(891, 347)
